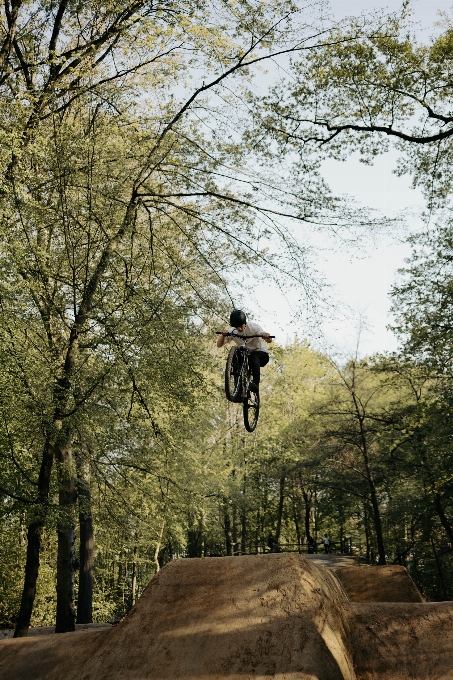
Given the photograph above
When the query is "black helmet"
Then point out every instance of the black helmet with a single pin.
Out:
(237, 318)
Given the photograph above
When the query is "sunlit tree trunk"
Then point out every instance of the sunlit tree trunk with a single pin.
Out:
(158, 544)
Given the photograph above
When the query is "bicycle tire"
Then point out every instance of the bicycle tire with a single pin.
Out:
(251, 410)
(233, 370)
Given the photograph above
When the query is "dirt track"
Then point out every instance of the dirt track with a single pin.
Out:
(378, 584)
(274, 616)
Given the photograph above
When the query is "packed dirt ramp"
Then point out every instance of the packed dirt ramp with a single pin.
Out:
(279, 617)
(378, 584)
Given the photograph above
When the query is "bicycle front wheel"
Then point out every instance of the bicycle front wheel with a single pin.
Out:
(251, 410)
(233, 372)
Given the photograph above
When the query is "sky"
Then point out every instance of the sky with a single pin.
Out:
(361, 285)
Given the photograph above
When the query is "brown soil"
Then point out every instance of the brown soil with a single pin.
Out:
(332, 561)
(50, 630)
(378, 584)
(268, 617)
(403, 641)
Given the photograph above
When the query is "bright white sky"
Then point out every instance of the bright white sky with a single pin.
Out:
(362, 285)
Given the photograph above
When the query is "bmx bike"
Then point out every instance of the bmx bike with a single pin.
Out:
(238, 377)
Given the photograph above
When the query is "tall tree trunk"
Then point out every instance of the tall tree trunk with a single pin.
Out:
(244, 511)
(307, 502)
(257, 530)
(34, 536)
(227, 527)
(244, 500)
(315, 516)
(158, 544)
(439, 568)
(66, 560)
(296, 525)
(442, 516)
(264, 507)
(235, 529)
(370, 478)
(294, 497)
(86, 557)
(374, 501)
(243, 531)
(225, 504)
(281, 501)
(377, 524)
(134, 577)
(367, 533)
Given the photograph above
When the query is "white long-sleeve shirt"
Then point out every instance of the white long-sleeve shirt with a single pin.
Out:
(250, 329)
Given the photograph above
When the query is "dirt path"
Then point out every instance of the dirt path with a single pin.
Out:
(281, 617)
(50, 630)
(332, 561)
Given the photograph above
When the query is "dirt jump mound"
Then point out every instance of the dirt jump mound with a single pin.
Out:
(378, 584)
(267, 616)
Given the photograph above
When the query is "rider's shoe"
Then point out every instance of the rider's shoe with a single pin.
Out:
(253, 387)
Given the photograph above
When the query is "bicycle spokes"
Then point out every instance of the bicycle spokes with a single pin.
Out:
(233, 374)
(251, 409)
(237, 381)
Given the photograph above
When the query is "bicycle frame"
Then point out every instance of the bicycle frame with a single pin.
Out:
(244, 372)
(242, 378)
(245, 369)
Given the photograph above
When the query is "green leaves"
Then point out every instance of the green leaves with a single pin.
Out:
(367, 83)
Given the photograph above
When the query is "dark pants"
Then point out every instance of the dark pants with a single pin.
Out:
(257, 359)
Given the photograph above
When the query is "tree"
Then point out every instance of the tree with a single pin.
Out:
(422, 302)
(373, 82)
(354, 415)
(422, 310)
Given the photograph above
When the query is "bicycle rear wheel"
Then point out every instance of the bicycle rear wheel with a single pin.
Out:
(251, 410)
(233, 372)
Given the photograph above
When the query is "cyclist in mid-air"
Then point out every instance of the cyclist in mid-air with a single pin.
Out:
(259, 354)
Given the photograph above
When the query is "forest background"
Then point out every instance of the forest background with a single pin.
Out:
(149, 181)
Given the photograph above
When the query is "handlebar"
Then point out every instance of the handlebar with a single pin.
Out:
(243, 337)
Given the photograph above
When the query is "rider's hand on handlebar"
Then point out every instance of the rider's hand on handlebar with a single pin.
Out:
(221, 341)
